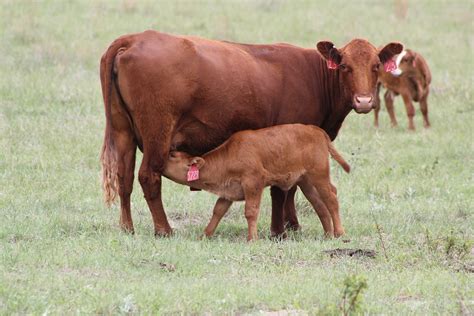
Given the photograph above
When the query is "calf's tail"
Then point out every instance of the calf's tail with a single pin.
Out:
(335, 154)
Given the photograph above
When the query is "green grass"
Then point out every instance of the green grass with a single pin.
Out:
(62, 252)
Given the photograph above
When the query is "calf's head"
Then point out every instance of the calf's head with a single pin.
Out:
(406, 61)
(358, 63)
(178, 165)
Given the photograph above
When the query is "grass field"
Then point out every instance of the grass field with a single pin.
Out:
(412, 194)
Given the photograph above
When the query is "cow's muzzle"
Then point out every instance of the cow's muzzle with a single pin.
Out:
(363, 104)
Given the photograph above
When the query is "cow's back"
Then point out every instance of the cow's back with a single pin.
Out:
(217, 87)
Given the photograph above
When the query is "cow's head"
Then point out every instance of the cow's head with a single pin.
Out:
(178, 165)
(358, 63)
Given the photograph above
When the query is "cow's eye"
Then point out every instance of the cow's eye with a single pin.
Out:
(344, 67)
(376, 67)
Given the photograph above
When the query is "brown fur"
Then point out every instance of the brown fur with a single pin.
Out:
(282, 156)
(164, 92)
(413, 85)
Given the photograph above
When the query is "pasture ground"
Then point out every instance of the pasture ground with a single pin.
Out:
(62, 252)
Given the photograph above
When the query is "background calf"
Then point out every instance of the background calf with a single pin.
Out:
(411, 80)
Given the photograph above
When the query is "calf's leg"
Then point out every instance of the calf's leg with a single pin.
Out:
(328, 196)
(389, 97)
(220, 208)
(253, 196)
(377, 106)
(424, 108)
(320, 208)
(410, 110)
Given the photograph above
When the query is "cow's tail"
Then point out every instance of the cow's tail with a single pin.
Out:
(108, 157)
(337, 156)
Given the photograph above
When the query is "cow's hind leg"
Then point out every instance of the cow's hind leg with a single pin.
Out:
(156, 146)
(125, 150)
(221, 207)
(321, 210)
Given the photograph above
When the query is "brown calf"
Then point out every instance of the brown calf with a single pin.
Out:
(411, 80)
(282, 156)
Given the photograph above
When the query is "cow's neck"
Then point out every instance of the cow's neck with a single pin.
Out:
(335, 99)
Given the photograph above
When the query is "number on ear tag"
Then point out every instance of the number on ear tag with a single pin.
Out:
(193, 173)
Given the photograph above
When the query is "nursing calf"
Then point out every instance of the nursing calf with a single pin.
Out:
(411, 80)
(282, 156)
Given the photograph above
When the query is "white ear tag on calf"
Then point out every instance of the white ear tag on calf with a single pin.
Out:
(193, 173)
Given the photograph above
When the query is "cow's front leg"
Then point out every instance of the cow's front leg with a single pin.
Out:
(291, 219)
(277, 226)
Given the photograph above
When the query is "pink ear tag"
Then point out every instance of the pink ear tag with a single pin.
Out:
(331, 64)
(193, 173)
(390, 65)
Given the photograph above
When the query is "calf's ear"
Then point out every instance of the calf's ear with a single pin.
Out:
(330, 53)
(390, 50)
(198, 162)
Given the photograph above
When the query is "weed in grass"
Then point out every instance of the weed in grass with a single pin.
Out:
(354, 286)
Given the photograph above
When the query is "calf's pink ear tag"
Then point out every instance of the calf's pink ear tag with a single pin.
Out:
(193, 173)
(390, 65)
(331, 64)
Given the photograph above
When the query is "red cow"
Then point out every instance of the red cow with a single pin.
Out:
(164, 92)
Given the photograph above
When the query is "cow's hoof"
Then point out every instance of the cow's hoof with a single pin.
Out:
(293, 227)
(163, 233)
(127, 229)
(278, 236)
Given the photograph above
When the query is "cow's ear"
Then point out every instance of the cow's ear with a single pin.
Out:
(390, 50)
(198, 162)
(330, 53)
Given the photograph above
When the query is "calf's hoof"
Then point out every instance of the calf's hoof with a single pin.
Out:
(328, 235)
(339, 233)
